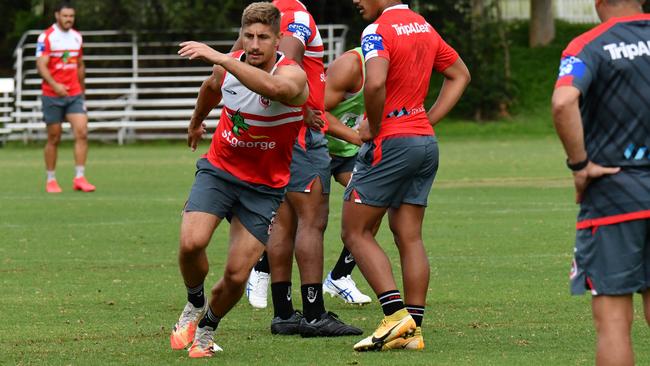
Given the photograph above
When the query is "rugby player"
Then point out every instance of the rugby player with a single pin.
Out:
(59, 62)
(302, 217)
(245, 173)
(343, 102)
(601, 111)
(397, 163)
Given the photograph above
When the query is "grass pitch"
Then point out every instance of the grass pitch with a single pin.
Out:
(92, 279)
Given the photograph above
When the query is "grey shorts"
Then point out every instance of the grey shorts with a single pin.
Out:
(56, 108)
(399, 170)
(612, 259)
(223, 195)
(309, 162)
(342, 164)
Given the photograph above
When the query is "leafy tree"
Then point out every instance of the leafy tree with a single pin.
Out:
(475, 29)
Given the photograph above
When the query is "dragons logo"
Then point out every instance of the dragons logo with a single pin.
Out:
(239, 124)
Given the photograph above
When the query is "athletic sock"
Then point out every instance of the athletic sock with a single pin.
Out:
(263, 264)
(79, 171)
(312, 301)
(391, 302)
(344, 265)
(209, 320)
(281, 295)
(417, 313)
(196, 296)
(51, 175)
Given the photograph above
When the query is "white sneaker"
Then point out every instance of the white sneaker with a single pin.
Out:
(257, 288)
(346, 289)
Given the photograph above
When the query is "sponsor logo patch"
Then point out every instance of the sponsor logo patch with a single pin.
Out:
(572, 66)
(372, 42)
(301, 31)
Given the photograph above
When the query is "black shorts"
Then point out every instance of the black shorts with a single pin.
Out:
(310, 162)
(221, 194)
(56, 108)
(342, 164)
(612, 259)
(398, 170)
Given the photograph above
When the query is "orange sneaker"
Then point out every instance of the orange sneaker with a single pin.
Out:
(183, 331)
(204, 345)
(52, 187)
(81, 184)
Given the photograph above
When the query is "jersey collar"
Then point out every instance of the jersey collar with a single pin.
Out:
(396, 7)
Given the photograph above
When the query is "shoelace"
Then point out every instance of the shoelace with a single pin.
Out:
(204, 337)
(189, 313)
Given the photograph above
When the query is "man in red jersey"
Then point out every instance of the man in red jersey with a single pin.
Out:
(59, 62)
(302, 217)
(245, 173)
(397, 164)
(601, 112)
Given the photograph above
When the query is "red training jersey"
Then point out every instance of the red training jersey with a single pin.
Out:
(414, 49)
(255, 136)
(64, 50)
(297, 22)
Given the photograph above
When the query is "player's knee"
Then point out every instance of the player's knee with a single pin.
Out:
(613, 323)
(349, 236)
(235, 276)
(53, 138)
(81, 135)
(191, 245)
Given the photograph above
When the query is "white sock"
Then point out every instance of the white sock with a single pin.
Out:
(51, 175)
(79, 169)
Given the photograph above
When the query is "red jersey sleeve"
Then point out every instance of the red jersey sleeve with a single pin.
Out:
(446, 55)
(375, 42)
(300, 25)
(43, 45)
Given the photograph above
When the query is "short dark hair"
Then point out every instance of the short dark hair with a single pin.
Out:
(63, 5)
(262, 12)
(616, 2)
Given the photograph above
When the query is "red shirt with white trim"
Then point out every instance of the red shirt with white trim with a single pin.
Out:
(414, 49)
(64, 49)
(255, 136)
(298, 23)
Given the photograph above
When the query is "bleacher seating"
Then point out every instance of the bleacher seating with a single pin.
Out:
(137, 87)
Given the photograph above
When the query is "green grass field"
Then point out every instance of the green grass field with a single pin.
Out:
(92, 279)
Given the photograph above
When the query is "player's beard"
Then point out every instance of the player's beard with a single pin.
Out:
(258, 60)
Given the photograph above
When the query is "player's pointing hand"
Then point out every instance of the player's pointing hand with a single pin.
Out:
(197, 50)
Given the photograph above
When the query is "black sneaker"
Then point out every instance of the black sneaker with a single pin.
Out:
(286, 326)
(328, 325)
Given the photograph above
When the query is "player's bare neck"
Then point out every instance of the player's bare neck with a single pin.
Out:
(622, 11)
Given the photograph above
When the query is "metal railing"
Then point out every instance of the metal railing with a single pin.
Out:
(572, 11)
(137, 87)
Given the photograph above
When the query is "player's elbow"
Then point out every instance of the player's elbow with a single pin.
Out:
(561, 103)
(373, 86)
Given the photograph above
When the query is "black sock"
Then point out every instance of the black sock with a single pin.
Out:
(344, 265)
(196, 296)
(417, 312)
(263, 264)
(312, 301)
(391, 302)
(209, 320)
(281, 295)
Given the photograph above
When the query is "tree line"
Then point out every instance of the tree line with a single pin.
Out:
(473, 27)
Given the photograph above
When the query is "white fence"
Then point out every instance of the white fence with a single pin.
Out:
(137, 87)
(6, 107)
(572, 11)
